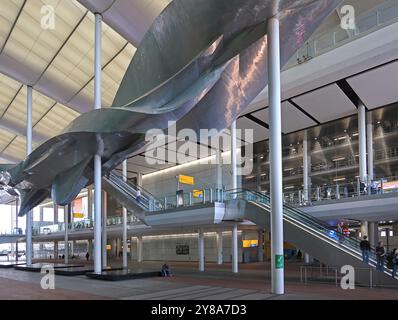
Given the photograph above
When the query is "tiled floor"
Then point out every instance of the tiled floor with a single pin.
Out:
(217, 282)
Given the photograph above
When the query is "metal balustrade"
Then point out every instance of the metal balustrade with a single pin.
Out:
(370, 21)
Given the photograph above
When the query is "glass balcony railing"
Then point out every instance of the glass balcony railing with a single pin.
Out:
(342, 191)
(370, 21)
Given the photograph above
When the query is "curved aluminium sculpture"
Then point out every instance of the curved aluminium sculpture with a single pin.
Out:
(201, 63)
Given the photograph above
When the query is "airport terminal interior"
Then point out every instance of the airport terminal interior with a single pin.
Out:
(149, 153)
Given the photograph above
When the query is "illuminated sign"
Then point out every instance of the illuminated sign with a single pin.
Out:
(186, 179)
(250, 243)
(390, 185)
(197, 193)
(108, 247)
(78, 215)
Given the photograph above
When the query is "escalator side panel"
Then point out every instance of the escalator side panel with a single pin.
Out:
(320, 249)
(124, 199)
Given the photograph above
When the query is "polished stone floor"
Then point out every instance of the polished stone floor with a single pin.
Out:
(217, 282)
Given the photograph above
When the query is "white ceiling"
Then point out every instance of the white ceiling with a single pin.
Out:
(386, 90)
(259, 132)
(327, 103)
(292, 118)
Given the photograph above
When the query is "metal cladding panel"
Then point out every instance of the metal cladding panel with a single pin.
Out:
(218, 67)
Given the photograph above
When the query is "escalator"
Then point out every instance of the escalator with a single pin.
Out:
(136, 199)
(311, 235)
(301, 229)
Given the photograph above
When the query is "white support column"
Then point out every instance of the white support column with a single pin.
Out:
(274, 85)
(139, 248)
(90, 203)
(362, 142)
(29, 215)
(131, 249)
(364, 229)
(260, 245)
(114, 248)
(369, 134)
(233, 157)
(104, 230)
(219, 171)
(56, 250)
(307, 258)
(139, 179)
(219, 248)
(373, 234)
(16, 225)
(97, 157)
(201, 250)
(306, 184)
(235, 248)
(41, 217)
(259, 159)
(90, 248)
(67, 211)
(125, 244)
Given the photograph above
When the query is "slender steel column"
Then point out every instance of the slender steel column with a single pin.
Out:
(276, 192)
(131, 249)
(369, 139)
(218, 172)
(260, 245)
(139, 249)
(104, 230)
(235, 248)
(364, 229)
(305, 167)
(90, 203)
(55, 206)
(139, 179)
(125, 245)
(259, 159)
(16, 225)
(219, 248)
(67, 211)
(233, 157)
(97, 157)
(362, 142)
(201, 250)
(29, 216)
(55, 249)
(373, 234)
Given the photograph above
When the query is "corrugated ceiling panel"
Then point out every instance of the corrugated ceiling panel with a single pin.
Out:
(8, 14)
(55, 120)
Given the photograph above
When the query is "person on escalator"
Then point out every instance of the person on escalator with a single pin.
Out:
(395, 263)
(340, 231)
(138, 196)
(365, 248)
(380, 255)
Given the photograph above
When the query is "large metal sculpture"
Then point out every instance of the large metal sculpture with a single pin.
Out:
(201, 63)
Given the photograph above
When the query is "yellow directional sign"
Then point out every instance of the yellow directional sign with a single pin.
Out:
(197, 193)
(78, 215)
(186, 179)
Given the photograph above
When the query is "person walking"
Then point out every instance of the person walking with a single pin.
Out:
(87, 256)
(395, 263)
(365, 248)
(380, 256)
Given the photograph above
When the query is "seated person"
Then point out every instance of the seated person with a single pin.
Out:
(166, 270)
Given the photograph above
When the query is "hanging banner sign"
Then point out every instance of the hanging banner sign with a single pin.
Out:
(186, 179)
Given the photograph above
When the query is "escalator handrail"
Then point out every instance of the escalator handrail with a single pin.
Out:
(305, 218)
(126, 184)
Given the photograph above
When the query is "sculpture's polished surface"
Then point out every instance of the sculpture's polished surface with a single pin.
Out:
(200, 64)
